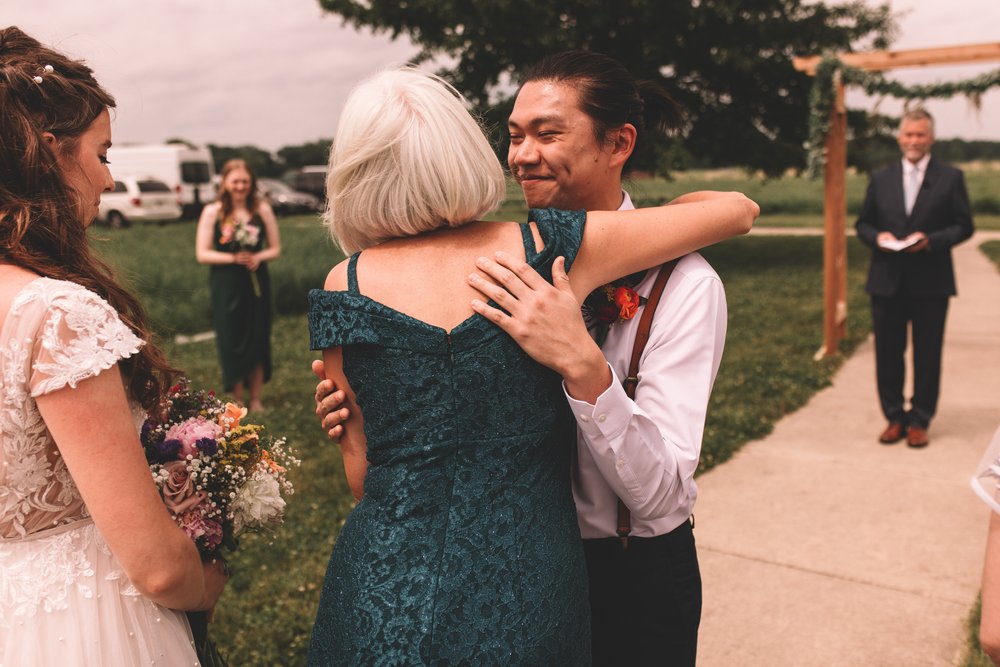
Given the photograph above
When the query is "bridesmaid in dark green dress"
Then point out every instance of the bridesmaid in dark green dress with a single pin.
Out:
(237, 236)
(463, 548)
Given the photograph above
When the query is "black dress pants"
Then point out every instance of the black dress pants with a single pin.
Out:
(645, 601)
(925, 316)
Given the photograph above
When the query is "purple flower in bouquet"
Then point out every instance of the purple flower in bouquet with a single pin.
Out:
(207, 446)
(191, 431)
(167, 449)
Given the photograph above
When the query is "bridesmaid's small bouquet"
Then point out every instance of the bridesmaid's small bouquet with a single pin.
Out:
(246, 237)
(218, 477)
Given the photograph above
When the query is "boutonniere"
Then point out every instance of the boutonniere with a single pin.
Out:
(613, 303)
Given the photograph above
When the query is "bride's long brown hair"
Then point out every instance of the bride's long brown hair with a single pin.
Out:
(41, 225)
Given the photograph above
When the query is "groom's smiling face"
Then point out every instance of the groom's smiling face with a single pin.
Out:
(554, 154)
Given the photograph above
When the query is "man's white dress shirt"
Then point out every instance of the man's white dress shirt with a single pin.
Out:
(646, 451)
(913, 178)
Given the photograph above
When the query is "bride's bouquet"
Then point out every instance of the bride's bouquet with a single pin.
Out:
(218, 477)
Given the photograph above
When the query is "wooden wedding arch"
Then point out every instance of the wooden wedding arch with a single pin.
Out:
(835, 147)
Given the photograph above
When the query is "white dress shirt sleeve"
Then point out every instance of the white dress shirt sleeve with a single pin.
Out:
(647, 450)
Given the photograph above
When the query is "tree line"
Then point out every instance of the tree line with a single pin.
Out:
(266, 164)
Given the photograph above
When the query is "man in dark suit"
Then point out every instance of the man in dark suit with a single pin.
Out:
(915, 210)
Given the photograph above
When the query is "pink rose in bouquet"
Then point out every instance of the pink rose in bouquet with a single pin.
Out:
(179, 494)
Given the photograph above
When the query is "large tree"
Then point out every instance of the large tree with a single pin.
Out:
(301, 155)
(727, 61)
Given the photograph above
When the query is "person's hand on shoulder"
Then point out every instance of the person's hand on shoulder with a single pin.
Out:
(544, 319)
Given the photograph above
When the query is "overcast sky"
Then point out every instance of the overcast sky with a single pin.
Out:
(274, 72)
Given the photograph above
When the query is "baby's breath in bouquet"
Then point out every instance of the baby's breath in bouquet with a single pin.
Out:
(218, 477)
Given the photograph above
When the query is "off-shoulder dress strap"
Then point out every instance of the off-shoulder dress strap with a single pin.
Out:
(352, 273)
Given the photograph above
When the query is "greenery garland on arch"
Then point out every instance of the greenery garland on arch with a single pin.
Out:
(873, 83)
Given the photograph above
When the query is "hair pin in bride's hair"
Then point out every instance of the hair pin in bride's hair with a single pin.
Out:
(48, 69)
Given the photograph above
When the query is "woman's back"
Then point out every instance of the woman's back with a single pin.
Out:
(465, 547)
(425, 276)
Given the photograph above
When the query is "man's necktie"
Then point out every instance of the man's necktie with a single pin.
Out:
(912, 185)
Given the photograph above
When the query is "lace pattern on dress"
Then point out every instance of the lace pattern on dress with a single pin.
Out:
(56, 334)
(57, 571)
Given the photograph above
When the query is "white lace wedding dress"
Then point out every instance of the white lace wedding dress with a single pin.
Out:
(64, 598)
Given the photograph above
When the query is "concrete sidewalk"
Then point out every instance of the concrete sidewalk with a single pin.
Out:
(819, 546)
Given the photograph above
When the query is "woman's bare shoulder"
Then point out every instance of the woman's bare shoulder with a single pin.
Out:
(12, 280)
(336, 279)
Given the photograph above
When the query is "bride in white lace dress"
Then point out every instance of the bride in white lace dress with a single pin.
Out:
(92, 568)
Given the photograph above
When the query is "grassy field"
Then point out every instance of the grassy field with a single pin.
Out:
(774, 290)
(158, 261)
(992, 250)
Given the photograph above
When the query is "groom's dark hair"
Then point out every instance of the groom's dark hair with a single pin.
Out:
(609, 94)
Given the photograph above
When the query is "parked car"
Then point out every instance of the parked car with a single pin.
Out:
(186, 168)
(286, 200)
(311, 179)
(136, 199)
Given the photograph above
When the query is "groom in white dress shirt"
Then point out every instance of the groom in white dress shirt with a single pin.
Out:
(646, 597)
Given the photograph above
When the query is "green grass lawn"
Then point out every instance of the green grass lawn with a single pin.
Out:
(992, 250)
(774, 291)
(974, 656)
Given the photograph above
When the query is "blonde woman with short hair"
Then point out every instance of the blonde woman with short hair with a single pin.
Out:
(464, 546)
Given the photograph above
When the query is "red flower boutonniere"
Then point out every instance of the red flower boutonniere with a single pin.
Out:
(615, 302)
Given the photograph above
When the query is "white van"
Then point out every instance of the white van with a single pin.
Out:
(186, 168)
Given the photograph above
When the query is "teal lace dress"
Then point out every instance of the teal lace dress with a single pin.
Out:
(465, 549)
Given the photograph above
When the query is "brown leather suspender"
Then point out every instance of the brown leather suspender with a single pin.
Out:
(632, 379)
